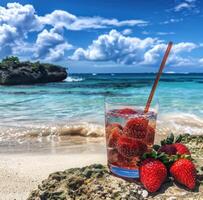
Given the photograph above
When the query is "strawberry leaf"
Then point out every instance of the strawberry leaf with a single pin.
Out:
(156, 147)
(178, 139)
(170, 139)
(163, 142)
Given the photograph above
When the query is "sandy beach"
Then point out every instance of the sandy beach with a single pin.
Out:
(24, 166)
(21, 173)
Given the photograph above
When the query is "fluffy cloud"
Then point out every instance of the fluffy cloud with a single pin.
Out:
(119, 48)
(127, 31)
(72, 22)
(182, 6)
(17, 20)
(186, 5)
(115, 47)
(23, 18)
(51, 45)
(8, 36)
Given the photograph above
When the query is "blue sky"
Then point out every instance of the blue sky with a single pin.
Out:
(105, 35)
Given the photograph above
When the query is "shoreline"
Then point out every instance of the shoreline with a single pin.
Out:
(20, 133)
(59, 138)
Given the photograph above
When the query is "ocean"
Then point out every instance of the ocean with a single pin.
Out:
(79, 100)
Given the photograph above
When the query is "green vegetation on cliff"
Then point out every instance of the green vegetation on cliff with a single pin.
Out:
(13, 72)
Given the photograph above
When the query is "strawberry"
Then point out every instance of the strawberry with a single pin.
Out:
(152, 174)
(136, 128)
(116, 125)
(130, 147)
(150, 135)
(170, 145)
(168, 149)
(181, 149)
(110, 127)
(184, 172)
(113, 136)
(126, 111)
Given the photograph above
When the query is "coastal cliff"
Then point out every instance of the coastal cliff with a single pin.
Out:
(14, 72)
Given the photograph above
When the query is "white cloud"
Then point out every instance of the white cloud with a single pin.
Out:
(51, 45)
(122, 49)
(127, 31)
(187, 5)
(17, 20)
(184, 46)
(72, 22)
(23, 18)
(182, 6)
(115, 47)
(8, 36)
(200, 61)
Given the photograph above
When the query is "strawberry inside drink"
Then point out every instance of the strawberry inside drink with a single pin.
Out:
(129, 134)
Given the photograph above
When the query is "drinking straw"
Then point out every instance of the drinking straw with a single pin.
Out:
(158, 76)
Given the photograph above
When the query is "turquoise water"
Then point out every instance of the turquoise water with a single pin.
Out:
(81, 99)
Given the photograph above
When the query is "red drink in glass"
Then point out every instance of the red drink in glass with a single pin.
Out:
(129, 134)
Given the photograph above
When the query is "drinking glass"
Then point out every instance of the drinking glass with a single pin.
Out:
(129, 134)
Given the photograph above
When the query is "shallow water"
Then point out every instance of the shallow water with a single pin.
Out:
(81, 99)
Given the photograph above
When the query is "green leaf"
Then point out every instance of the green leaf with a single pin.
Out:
(156, 147)
(144, 156)
(178, 139)
(163, 142)
(154, 154)
(170, 139)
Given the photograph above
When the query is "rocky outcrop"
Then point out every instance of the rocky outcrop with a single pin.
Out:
(94, 182)
(13, 72)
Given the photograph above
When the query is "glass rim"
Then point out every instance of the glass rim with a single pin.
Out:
(110, 100)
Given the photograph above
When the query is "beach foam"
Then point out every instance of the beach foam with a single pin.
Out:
(21, 134)
(181, 123)
(73, 79)
(177, 123)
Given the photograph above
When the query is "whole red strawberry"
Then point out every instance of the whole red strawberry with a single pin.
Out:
(181, 149)
(172, 146)
(130, 147)
(184, 172)
(136, 128)
(168, 149)
(152, 174)
(113, 136)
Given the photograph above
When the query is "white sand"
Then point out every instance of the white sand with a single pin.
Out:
(21, 173)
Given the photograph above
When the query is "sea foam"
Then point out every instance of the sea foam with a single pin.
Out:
(73, 79)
